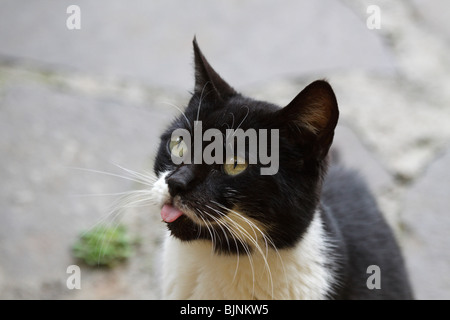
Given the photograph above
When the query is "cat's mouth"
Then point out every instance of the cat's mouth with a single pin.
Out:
(172, 210)
(170, 213)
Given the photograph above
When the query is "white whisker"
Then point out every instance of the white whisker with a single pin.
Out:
(201, 99)
(125, 200)
(248, 111)
(254, 240)
(113, 175)
(146, 178)
(104, 245)
(110, 194)
(210, 233)
(241, 234)
(179, 109)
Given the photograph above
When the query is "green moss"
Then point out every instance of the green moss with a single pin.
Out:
(103, 246)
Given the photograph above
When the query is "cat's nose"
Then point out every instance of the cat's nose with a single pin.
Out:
(180, 180)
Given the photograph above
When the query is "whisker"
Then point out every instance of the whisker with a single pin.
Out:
(240, 233)
(108, 194)
(234, 236)
(110, 220)
(220, 226)
(201, 99)
(209, 230)
(146, 178)
(113, 175)
(248, 111)
(104, 244)
(232, 123)
(179, 109)
(254, 240)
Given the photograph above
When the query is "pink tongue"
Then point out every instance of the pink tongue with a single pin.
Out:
(170, 213)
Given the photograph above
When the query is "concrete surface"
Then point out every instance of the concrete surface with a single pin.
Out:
(97, 99)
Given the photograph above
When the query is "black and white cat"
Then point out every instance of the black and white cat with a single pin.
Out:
(234, 233)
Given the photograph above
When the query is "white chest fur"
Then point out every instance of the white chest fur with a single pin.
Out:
(191, 270)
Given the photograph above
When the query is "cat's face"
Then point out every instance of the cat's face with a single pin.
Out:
(229, 201)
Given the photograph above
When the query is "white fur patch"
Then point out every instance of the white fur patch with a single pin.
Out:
(160, 190)
(191, 270)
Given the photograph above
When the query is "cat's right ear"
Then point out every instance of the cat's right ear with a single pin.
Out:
(208, 83)
(312, 116)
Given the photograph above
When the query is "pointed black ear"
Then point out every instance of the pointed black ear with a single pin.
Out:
(314, 114)
(208, 83)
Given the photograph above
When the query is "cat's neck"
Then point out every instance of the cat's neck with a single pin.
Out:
(192, 270)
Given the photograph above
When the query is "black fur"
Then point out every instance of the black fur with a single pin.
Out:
(285, 202)
(363, 238)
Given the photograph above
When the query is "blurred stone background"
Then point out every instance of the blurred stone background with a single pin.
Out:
(97, 98)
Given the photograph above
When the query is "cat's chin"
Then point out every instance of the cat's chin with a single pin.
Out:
(187, 223)
(181, 221)
(184, 229)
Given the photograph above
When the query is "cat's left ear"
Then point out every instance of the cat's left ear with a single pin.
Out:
(313, 115)
(208, 82)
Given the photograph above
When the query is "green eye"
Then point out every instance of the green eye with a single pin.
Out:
(177, 146)
(234, 166)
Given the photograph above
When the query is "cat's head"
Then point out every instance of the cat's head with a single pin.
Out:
(227, 198)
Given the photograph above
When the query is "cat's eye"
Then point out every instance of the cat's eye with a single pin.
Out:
(234, 166)
(177, 146)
